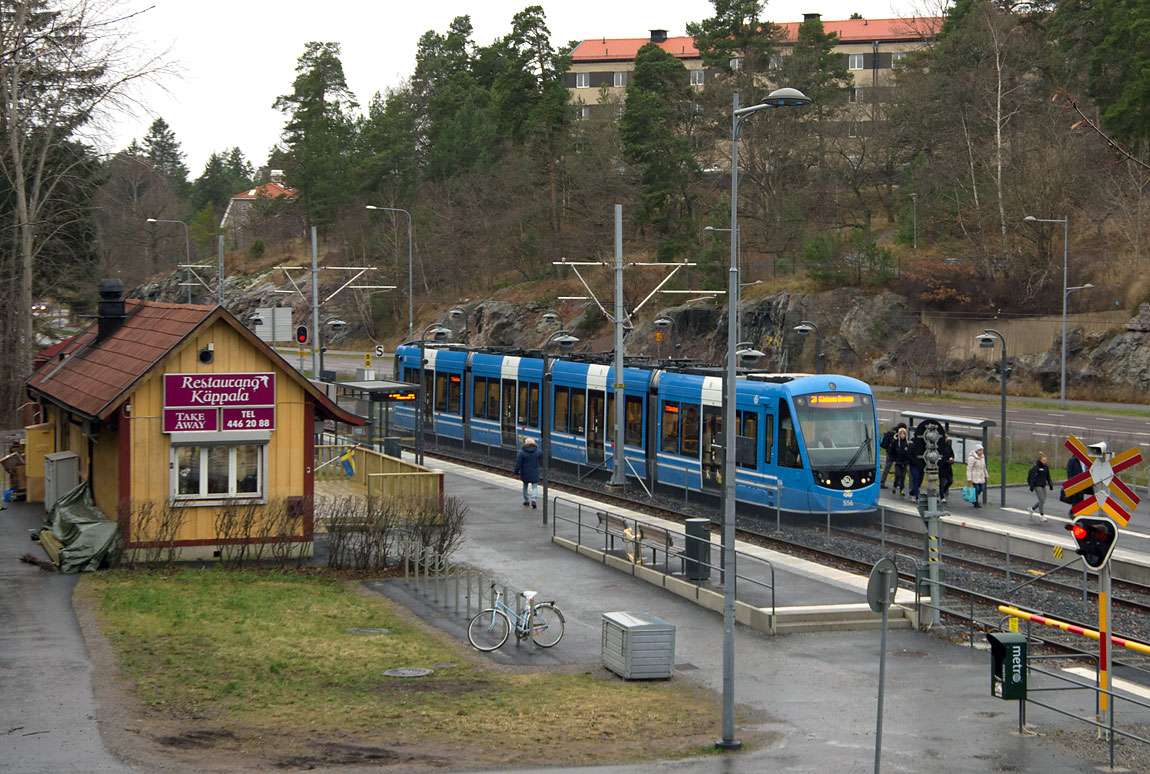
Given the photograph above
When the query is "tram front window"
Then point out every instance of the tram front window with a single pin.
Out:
(838, 429)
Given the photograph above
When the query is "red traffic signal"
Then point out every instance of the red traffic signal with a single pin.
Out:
(301, 334)
(1096, 537)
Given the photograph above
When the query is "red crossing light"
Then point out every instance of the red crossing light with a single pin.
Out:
(301, 334)
(1096, 536)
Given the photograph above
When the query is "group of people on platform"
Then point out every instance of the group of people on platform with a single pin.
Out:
(905, 454)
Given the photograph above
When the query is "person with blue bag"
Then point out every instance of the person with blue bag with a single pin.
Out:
(975, 476)
(527, 468)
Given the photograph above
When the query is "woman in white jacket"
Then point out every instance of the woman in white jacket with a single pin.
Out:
(976, 473)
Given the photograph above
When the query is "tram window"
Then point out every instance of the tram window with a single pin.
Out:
(578, 411)
(479, 396)
(492, 398)
(689, 444)
(523, 403)
(788, 440)
(633, 420)
(562, 396)
(768, 438)
(454, 394)
(533, 406)
(441, 392)
(746, 444)
(670, 443)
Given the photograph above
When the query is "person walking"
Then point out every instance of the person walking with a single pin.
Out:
(976, 473)
(527, 468)
(945, 467)
(1074, 468)
(885, 445)
(900, 453)
(1038, 479)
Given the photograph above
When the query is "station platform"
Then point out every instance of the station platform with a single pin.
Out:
(810, 699)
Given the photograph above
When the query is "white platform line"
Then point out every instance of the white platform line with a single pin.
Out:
(1116, 684)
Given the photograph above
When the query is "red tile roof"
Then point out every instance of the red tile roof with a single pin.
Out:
(683, 47)
(271, 190)
(93, 378)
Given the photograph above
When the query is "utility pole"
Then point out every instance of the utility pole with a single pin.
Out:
(618, 467)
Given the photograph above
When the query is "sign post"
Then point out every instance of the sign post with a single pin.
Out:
(880, 591)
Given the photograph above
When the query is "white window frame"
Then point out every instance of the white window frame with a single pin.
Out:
(856, 94)
(697, 77)
(855, 61)
(582, 80)
(620, 78)
(203, 497)
(896, 58)
(584, 112)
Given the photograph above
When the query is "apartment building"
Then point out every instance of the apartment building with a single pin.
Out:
(870, 48)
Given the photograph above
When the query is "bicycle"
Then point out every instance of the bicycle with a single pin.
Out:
(490, 628)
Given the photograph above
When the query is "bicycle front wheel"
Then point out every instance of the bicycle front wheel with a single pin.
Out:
(546, 625)
(488, 630)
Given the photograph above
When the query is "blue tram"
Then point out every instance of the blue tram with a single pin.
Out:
(804, 443)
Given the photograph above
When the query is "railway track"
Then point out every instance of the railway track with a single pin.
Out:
(980, 573)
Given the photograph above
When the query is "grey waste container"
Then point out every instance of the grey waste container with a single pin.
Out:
(698, 564)
(638, 646)
(391, 446)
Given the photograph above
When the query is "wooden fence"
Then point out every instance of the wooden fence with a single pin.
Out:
(379, 474)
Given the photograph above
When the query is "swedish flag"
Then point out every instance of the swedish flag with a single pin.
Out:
(347, 459)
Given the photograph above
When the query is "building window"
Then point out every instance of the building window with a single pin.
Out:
(621, 78)
(852, 129)
(585, 112)
(896, 58)
(736, 64)
(854, 61)
(855, 94)
(582, 80)
(218, 472)
(697, 77)
(775, 62)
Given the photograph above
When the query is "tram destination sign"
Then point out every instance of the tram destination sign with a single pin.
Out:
(212, 402)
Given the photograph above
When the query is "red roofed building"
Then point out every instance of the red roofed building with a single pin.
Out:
(178, 413)
(242, 215)
(871, 48)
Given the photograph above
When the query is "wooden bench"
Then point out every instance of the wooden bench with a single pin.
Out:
(637, 536)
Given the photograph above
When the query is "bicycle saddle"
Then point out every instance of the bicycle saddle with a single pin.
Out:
(530, 595)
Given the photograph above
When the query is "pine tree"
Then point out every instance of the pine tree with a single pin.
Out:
(163, 149)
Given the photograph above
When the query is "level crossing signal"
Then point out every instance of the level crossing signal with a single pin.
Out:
(301, 334)
(1095, 536)
(1111, 495)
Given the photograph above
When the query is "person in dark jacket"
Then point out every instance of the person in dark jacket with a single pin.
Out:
(885, 445)
(1074, 467)
(1038, 479)
(527, 468)
(945, 467)
(899, 452)
(915, 460)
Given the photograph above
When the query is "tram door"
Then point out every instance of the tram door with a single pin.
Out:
(596, 409)
(712, 453)
(507, 415)
(428, 401)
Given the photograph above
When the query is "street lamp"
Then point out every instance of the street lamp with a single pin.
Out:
(986, 341)
(410, 305)
(187, 250)
(668, 322)
(804, 329)
(455, 314)
(554, 318)
(785, 97)
(566, 342)
(336, 325)
(439, 333)
(1065, 292)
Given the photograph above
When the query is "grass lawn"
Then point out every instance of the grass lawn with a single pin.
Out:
(267, 656)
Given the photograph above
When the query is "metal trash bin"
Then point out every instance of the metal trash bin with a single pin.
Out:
(392, 446)
(698, 564)
(638, 646)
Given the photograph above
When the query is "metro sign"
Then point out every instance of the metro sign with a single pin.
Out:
(1112, 496)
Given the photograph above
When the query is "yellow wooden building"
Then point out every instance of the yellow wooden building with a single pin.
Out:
(188, 428)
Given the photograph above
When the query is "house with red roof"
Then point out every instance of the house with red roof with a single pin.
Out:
(178, 415)
(871, 49)
(268, 210)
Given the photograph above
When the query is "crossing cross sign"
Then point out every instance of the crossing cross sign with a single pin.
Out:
(1111, 495)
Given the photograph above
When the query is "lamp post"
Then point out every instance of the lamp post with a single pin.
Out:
(1066, 291)
(455, 314)
(804, 329)
(785, 97)
(187, 249)
(566, 342)
(668, 322)
(555, 318)
(336, 325)
(439, 332)
(986, 341)
(410, 304)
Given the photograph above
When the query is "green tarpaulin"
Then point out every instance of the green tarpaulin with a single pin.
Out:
(87, 534)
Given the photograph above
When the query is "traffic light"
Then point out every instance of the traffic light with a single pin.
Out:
(301, 334)
(1095, 536)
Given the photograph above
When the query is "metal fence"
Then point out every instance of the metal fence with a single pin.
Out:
(454, 586)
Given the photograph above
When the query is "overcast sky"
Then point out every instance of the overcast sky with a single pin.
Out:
(234, 58)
